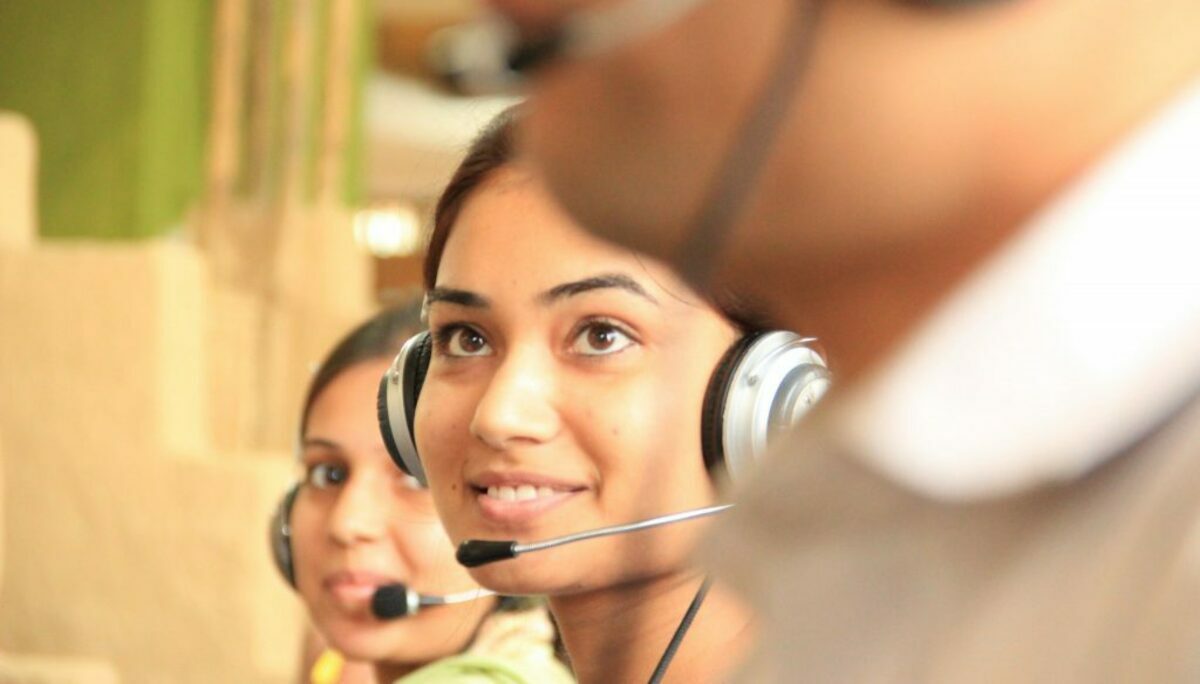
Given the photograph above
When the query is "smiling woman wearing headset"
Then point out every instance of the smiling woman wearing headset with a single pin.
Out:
(566, 385)
(357, 539)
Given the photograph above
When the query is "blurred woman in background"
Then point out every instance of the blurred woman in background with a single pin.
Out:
(355, 524)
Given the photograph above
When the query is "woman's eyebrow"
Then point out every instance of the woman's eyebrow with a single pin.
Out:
(320, 442)
(459, 297)
(619, 281)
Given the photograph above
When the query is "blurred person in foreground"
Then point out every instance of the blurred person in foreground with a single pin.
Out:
(355, 524)
(988, 211)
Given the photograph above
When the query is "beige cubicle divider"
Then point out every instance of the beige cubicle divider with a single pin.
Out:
(137, 475)
(35, 669)
(17, 164)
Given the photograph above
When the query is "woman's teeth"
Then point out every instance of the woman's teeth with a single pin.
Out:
(521, 493)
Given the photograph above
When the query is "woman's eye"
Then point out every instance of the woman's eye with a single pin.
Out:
(463, 341)
(598, 339)
(326, 475)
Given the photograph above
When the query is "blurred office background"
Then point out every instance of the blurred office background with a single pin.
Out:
(197, 198)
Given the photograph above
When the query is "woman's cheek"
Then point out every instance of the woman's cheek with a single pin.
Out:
(442, 437)
(437, 427)
(308, 528)
(622, 437)
(434, 558)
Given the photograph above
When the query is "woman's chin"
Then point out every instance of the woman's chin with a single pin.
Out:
(360, 645)
(376, 646)
(532, 576)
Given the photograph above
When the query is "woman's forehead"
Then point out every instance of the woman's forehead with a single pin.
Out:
(511, 236)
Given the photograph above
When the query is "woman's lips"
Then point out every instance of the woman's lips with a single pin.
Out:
(514, 499)
(354, 589)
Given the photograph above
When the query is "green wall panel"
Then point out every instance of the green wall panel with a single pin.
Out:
(118, 93)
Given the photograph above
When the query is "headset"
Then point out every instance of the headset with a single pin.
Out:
(280, 535)
(762, 386)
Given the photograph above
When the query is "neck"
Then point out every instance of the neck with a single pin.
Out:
(861, 280)
(859, 304)
(637, 621)
(386, 673)
(466, 621)
(1074, 103)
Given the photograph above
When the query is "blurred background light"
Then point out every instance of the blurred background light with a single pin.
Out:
(389, 230)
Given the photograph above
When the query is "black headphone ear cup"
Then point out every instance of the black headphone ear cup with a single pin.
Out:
(280, 536)
(761, 388)
(396, 405)
(416, 370)
(712, 416)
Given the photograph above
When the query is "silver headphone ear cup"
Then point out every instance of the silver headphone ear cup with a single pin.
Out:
(280, 535)
(398, 392)
(777, 378)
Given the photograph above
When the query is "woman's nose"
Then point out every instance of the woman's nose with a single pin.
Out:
(360, 513)
(518, 405)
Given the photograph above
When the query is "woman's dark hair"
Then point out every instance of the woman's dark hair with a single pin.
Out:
(379, 337)
(492, 149)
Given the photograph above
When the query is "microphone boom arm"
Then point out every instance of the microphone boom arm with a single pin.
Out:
(460, 597)
(621, 529)
(476, 552)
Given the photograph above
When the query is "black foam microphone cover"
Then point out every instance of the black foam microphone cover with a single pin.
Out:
(475, 552)
(390, 602)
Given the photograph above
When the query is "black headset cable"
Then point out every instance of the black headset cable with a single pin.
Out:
(668, 655)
